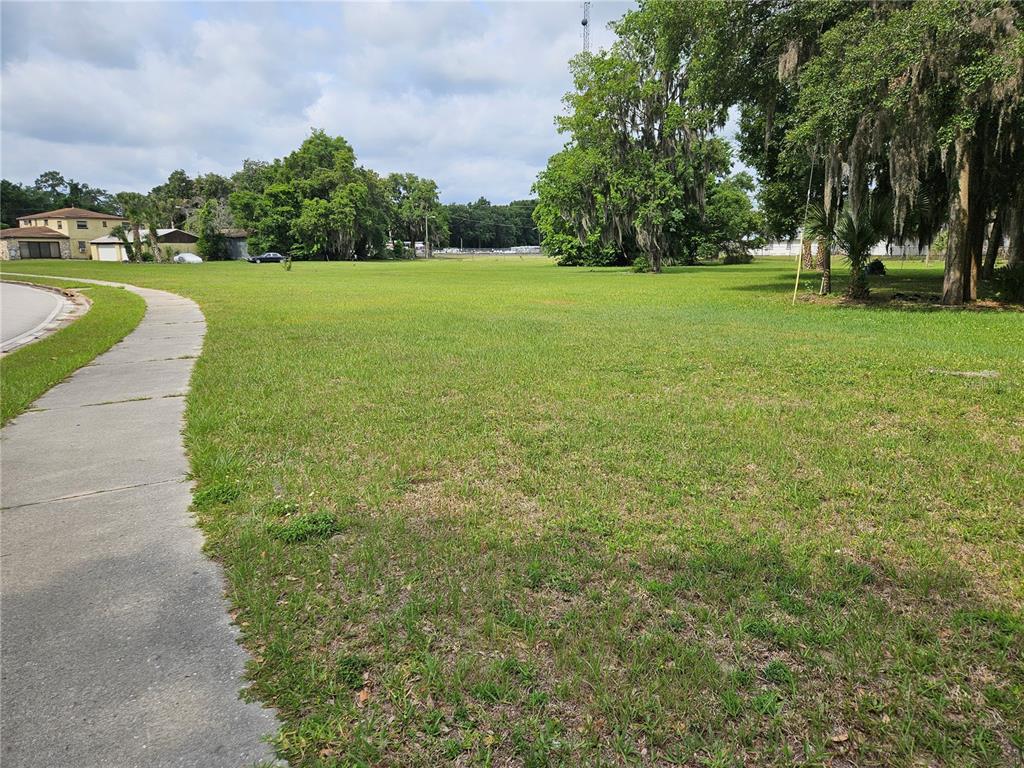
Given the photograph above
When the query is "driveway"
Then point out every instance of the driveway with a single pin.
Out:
(25, 312)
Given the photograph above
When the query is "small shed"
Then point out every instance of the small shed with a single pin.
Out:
(237, 241)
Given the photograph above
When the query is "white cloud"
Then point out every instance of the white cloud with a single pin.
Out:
(465, 93)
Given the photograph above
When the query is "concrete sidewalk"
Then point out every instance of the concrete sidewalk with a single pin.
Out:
(116, 645)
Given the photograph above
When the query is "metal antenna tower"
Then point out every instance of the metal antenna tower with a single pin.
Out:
(586, 27)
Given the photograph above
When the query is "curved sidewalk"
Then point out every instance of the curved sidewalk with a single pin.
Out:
(114, 633)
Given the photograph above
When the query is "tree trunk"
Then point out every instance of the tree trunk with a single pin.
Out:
(136, 243)
(656, 260)
(806, 254)
(976, 212)
(1015, 248)
(832, 201)
(825, 254)
(154, 244)
(995, 239)
(957, 270)
(858, 288)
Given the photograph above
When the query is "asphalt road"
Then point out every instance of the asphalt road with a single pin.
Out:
(24, 309)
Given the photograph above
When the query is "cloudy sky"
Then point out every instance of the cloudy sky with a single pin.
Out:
(119, 95)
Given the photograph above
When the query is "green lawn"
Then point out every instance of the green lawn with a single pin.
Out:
(31, 370)
(495, 512)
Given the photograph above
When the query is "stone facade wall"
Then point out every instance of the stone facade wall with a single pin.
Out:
(9, 250)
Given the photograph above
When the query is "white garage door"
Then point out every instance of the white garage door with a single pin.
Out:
(108, 252)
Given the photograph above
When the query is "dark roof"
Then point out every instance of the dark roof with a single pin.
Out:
(33, 233)
(176, 236)
(71, 213)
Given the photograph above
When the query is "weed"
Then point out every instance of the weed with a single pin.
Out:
(312, 525)
(215, 493)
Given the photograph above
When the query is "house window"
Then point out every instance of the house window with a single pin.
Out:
(81, 246)
(82, 224)
(46, 222)
(60, 224)
(104, 224)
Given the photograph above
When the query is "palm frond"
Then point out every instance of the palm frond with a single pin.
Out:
(856, 232)
(816, 224)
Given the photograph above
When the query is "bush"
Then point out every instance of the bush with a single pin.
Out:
(738, 257)
(875, 267)
(568, 251)
(1009, 283)
(707, 251)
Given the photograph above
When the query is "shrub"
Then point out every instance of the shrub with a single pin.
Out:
(641, 264)
(737, 257)
(1009, 283)
(875, 267)
(707, 251)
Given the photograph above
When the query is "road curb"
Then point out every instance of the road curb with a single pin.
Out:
(73, 306)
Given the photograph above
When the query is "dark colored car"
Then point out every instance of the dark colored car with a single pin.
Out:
(269, 256)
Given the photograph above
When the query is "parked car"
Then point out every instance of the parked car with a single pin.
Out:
(269, 256)
(187, 258)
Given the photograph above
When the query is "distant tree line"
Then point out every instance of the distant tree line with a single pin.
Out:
(482, 225)
(894, 120)
(50, 191)
(315, 203)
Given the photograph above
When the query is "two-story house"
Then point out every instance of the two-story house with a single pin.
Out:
(79, 225)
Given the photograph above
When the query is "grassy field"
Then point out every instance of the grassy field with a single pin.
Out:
(482, 512)
(30, 371)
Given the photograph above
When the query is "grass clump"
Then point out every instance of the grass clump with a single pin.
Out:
(777, 672)
(350, 668)
(220, 492)
(304, 527)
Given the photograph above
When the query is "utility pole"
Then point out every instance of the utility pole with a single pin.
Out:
(586, 27)
(426, 237)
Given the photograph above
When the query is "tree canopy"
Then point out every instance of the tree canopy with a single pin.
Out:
(50, 191)
(912, 106)
(634, 178)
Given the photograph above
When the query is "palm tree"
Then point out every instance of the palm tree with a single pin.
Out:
(854, 233)
(133, 207)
